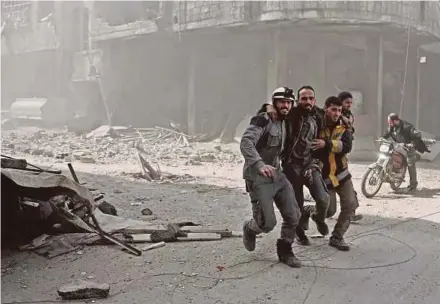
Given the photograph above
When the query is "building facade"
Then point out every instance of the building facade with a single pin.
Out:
(208, 64)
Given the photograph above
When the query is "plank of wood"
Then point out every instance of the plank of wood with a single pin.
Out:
(141, 238)
(239, 234)
(225, 233)
(200, 237)
(153, 246)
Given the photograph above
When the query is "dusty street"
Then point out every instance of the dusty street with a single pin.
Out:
(394, 256)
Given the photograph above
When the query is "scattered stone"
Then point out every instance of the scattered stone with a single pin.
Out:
(48, 154)
(61, 155)
(194, 162)
(107, 208)
(102, 131)
(83, 290)
(147, 211)
(87, 159)
(38, 152)
(69, 159)
(208, 158)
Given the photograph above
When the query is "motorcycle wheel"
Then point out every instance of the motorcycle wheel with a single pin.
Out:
(368, 175)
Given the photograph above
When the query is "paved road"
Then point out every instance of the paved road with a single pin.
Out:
(394, 256)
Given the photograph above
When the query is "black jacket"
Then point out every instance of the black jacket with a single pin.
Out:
(407, 133)
(348, 120)
(294, 122)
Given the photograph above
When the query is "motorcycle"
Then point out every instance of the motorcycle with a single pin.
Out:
(390, 167)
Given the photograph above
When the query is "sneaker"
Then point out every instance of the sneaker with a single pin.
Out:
(249, 238)
(339, 244)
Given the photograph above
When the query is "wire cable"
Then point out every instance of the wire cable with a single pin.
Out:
(405, 71)
(219, 279)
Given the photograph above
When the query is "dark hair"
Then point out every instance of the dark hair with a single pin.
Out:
(333, 101)
(393, 116)
(305, 87)
(344, 95)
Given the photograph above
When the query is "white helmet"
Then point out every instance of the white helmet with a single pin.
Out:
(283, 93)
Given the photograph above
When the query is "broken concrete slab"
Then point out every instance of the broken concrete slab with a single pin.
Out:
(104, 131)
(435, 151)
(81, 289)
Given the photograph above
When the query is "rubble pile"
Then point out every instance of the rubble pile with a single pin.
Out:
(115, 145)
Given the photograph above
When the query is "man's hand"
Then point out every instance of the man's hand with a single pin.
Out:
(267, 171)
(272, 112)
(318, 144)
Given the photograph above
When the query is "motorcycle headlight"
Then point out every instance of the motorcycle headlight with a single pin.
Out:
(384, 149)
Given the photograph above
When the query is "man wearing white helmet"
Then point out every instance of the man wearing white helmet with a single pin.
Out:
(298, 161)
(261, 145)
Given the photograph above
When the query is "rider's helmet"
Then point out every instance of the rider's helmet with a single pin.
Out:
(283, 93)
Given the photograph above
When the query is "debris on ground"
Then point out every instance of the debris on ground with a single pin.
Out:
(47, 203)
(81, 289)
(62, 215)
(147, 171)
(147, 211)
(154, 246)
(107, 145)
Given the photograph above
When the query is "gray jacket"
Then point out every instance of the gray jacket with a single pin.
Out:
(262, 144)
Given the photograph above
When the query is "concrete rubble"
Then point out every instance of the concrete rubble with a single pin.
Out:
(81, 289)
(102, 146)
(72, 221)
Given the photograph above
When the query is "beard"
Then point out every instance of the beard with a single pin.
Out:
(305, 107)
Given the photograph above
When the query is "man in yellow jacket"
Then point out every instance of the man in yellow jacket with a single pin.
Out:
(332, 147)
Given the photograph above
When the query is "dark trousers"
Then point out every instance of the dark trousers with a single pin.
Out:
(348, 201)
(318, 190)
(263, 192)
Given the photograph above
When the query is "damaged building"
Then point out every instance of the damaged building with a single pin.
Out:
(207, 65)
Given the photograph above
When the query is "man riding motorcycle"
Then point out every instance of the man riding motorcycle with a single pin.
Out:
(404, 132)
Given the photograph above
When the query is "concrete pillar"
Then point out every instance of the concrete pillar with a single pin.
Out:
(34, 14)
(418, 91)
(273, 62)
(379, 99)
(191, 94)
(91, 7)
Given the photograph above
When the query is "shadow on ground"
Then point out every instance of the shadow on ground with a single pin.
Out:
(393, 260)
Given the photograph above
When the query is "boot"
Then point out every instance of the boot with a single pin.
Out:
(412, 186)
(321, 226)
(356, 217)
(302, 238)
(249, 237)
(285, 254)
(339, 244)
(305, 216)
